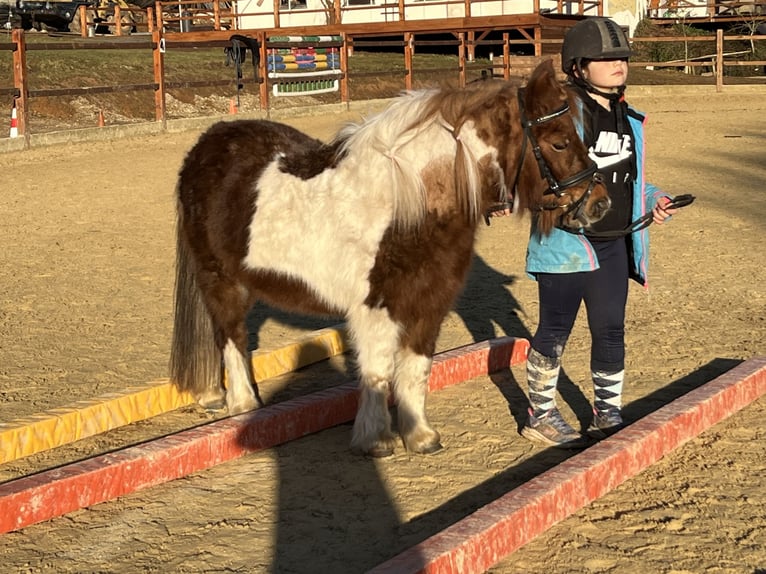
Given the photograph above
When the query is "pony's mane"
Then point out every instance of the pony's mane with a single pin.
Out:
(406, 118)
(386, 133)
(457, 106)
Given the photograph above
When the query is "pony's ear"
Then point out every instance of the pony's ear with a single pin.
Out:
(544, 92)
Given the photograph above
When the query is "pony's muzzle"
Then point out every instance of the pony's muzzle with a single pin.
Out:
(591, 206)
(600, 207)
(597, 202)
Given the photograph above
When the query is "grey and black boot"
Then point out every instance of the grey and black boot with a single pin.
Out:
(607, 415)
(545, 424)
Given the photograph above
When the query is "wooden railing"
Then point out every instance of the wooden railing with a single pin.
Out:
(222, 15)
(21, 94)
(717, 61)
(184, 16)
(706, 9)
(116, 21)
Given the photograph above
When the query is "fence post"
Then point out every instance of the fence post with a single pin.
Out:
(117, 20)
(158, 14)
(277, 21)
(344, 69)
(20, 83)
(461, 60)
(719, 60)
(263, 72)
(82, 17)
(216, 15)
(158, 56)
(409, 41)
(538, 42)
(506, 56)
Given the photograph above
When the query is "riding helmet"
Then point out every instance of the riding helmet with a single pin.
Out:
(595, 38)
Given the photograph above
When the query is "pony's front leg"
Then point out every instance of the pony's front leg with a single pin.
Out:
(375, 338)
(241, 393)
(372, 426)
(410, 389)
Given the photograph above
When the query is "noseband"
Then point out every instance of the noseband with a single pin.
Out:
(555, 187)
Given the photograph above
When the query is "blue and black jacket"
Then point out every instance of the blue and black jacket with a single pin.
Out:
(565, 252)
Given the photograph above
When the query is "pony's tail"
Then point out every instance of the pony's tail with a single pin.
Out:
(195, 359)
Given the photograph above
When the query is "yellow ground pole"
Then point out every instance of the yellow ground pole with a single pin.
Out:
(57, 427)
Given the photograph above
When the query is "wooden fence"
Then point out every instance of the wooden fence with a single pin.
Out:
(20, 93)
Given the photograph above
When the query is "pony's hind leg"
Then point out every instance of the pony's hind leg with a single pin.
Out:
(376, 340)
(228, 307)
(242, 391)
(410, 389)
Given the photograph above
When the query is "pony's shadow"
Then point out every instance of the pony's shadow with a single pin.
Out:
(488, 310)
(260, 313)
(316, 479)
(317, 529)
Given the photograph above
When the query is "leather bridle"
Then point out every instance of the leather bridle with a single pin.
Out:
(555, 187)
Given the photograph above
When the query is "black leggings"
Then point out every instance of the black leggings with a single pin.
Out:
(605, 293)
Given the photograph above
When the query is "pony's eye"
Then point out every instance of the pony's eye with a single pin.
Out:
(561, 146)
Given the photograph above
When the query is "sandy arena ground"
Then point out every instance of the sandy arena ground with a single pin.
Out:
(87, 270)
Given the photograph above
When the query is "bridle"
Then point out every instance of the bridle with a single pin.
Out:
(555, 187)
(558, 188)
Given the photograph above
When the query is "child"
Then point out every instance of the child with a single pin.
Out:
(593, 267)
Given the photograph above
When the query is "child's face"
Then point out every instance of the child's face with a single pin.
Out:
(606, 75)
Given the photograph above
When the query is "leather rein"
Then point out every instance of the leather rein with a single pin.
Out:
(641, 223)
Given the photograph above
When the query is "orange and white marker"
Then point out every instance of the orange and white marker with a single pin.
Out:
(14, 122)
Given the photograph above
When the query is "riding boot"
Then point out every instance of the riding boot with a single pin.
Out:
(542, 378)
(545, 423)
(607, 391)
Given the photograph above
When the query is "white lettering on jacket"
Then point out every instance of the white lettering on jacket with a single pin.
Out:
(610, 149)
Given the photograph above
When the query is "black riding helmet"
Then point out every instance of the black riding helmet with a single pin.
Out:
(595, 38)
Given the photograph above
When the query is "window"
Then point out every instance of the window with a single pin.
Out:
(287, 5)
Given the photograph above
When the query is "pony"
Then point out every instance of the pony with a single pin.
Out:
(377, 226)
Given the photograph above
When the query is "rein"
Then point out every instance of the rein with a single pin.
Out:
(641, 223)
(555, 187)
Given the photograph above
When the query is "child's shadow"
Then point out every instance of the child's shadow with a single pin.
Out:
(489, 309)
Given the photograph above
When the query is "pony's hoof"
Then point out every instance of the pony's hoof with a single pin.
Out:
(423, 442)
(376, 449)
(430, 449)
(212, 401)
(214, 407)
(380, 451)
(243, 407)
